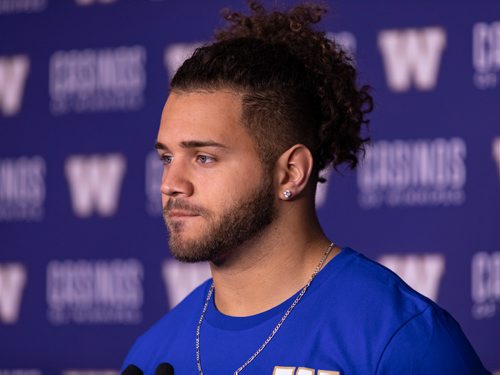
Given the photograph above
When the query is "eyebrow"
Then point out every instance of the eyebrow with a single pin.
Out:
(192, 144)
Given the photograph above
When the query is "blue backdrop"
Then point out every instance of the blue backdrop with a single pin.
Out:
(84, 264)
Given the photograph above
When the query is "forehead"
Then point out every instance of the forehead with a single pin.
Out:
(202, 115)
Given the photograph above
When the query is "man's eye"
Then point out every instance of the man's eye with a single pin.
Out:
(205, 159)
(166, 159)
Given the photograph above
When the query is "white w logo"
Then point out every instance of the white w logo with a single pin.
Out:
(181, 278)
(13, 73)
(95, 183)
(176, 54)
(422, 272)
(412, 55)
(496, 153)
(12, 281)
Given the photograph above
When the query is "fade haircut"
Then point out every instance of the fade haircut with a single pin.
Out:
(297, 86)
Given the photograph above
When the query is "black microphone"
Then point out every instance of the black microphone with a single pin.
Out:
(132, 370)
(164, 369)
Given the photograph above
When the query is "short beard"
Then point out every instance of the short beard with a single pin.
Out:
(238, 224)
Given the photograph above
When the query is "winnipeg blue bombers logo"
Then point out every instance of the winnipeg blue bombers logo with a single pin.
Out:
(280, 370)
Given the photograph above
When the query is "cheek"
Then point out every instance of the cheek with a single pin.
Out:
(224, 192)
(228, 185)
(221, 188)
(217, 194)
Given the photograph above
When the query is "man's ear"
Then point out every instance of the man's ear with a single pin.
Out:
(293, 170)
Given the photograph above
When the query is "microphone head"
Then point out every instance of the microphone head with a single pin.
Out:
(164, 369)
(132, 370)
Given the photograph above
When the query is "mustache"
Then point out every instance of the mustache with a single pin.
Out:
(179, 204)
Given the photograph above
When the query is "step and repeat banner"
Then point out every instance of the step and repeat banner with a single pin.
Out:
(84, 261)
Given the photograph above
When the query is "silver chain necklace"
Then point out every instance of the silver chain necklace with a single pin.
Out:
(276, 328)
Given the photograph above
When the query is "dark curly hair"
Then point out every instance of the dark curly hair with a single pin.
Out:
(297, 85)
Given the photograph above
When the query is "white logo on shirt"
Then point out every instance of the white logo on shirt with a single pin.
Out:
(282, 370)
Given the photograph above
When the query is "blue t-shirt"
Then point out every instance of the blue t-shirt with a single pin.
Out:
(357, 317)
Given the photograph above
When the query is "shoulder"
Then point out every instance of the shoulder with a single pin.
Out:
(151, 345)
(376, 287)
(430, 342)
(379, 298)
(409, 332)
(364, 301)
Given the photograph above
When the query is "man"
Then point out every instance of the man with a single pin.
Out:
(250, 122)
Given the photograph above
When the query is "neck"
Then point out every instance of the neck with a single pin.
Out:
(268, 270)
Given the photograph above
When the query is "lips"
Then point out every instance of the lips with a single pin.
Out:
(174, 214)
(180, 210)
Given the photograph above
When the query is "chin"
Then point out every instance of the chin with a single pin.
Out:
(188, 255)
(189, 250)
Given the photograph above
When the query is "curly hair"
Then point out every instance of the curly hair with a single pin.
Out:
(297, 85)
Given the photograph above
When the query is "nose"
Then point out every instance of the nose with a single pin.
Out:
(175, 180)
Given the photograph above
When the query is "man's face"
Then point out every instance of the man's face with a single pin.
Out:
(215, 192)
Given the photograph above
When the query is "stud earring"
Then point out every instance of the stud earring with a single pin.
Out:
(287, 194)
